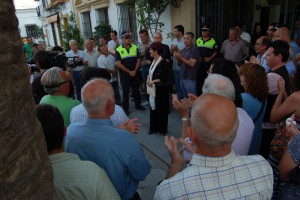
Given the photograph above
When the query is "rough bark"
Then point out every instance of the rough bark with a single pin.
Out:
(25, 170)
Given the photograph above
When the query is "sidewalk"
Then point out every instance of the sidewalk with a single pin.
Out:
(154, 149)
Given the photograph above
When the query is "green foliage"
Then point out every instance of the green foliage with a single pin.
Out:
(102, 30)
(149, 12)
(39, 31)
(71, 32)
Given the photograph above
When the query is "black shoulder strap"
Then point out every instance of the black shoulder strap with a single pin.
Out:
(258, 115)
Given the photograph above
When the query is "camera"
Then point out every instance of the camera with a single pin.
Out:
(32, 66)
(62, 61)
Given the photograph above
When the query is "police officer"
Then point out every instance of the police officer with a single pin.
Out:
(128, 61)
(208, 51)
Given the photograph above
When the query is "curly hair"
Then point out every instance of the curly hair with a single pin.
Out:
(256, 80)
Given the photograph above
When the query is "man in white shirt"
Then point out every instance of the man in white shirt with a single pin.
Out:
(176, 46)
(243, 35)
(107, 62)
(91, 54)
(114, 42)
(77, 55)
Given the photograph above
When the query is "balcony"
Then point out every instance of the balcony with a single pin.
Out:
(55, 4)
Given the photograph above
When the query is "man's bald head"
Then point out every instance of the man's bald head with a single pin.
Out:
(158, 37)
(96, 94)
(214, 119)
(283, 33)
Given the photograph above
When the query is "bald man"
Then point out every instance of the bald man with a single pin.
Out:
(113, 149)
(166, 54)
(215, 171)
(283, 33)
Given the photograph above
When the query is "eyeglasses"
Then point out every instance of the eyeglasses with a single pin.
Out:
(67, 81)
(55, 86)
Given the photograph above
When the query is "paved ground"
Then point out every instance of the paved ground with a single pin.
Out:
(154, 149)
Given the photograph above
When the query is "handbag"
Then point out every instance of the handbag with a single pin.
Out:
(280, 141)
(151, 90)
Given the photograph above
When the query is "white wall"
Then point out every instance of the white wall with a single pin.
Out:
(27, 17)
(113, 15)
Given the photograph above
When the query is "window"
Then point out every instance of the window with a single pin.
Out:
(31, 30)
(101, 16)
(86, 25)
(126, 19)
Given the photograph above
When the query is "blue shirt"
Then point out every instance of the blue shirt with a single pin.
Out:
(252, 106)
(115, 150)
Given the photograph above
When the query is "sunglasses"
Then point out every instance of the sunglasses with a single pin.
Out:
(126, 37)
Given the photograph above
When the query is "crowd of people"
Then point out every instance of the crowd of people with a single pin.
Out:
(233, 98)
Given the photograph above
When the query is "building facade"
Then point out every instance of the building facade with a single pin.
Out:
(192, 14)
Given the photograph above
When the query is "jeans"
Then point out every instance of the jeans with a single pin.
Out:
(187, 86)
(76, 75)
(177, 84)
(145, 72)
(115, 86)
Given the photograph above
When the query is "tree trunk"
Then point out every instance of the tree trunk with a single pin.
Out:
(25, 170)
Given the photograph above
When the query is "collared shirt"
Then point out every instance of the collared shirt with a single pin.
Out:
(180, 45)
(92, 58)
(234, 51)
(143, 51)
(115, 150)
(246, 36)
(107, 62)
(63, 103)
(206, 47)
(228, 177)
(130, 61)
(112, 45)
(263, 62)
(79, 115)
(71, 54)
(187, 72)
(77, 179)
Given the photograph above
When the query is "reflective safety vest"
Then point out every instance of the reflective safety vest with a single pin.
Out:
(208, 44)
(125, 54)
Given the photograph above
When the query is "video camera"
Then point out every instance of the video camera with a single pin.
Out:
(32, 66)
(62, 61)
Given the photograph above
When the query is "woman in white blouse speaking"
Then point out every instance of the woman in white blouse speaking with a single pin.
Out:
(158, 85)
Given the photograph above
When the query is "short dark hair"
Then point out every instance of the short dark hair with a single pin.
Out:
(266, 41)
(57, 48)
(93, 72)
(43, 58)
(144, 31)
(190, 33)
(157, 46)
(180, 28)
(53, 126)
(281, 47)
(238, 25)
(228, 69)
(115, 32)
